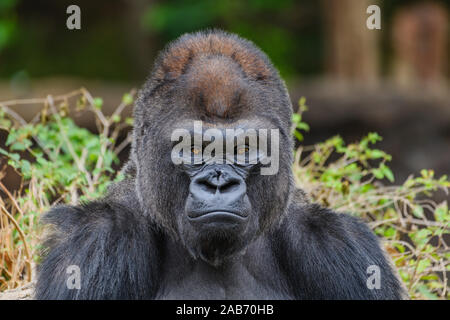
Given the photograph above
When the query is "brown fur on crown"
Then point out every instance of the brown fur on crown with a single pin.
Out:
(215, 64)
(177, 57)
(215, 85)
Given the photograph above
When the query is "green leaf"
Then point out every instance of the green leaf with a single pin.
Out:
(442, 213)
(375, 154)
(422, 265)
(390, 232)
(387, 172)
(302, 104)
(373, 137)
(303, 126)
(129, 121)
(400, 247)
(116, 118)
(421, 237)
(378, 173)
(98, 103)
(426, 292)
(298, 135)
(14, 156)
(418, 211)
(127, 99)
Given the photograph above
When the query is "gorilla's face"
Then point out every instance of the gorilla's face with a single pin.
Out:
(216, 193)
(220, 161)
(213, 148)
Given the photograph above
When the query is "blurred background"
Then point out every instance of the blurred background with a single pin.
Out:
(394, 81)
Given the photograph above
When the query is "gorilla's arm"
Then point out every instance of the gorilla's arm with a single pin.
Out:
(114, 248)
(325, 255)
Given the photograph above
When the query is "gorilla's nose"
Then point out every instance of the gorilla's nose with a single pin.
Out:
(221, 185)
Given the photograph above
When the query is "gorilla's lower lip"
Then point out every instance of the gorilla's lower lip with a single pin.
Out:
(218, 216)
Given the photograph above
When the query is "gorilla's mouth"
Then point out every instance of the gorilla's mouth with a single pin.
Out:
(218, 234)
(217, 217)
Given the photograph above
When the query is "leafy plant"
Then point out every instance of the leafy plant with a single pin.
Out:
(58, 162)
(412, 226)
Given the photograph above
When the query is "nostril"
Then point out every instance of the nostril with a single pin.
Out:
(230, 186)
(215, 182)
(207, 186)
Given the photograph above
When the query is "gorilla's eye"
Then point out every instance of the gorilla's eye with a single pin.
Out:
(242, 150)
(196, 151)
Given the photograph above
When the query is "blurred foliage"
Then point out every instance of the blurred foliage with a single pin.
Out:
(8, 22)
(289, 31)
(274, 25)
(41, 45)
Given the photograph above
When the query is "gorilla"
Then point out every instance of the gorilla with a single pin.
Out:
(202, 229)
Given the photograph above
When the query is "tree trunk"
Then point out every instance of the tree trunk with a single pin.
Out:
(352, 48)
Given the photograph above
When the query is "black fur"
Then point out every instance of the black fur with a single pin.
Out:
(134, 243)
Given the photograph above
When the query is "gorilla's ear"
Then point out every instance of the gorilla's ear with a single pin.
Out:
(123, 192)
(299, 197)
(299, 202)
(129, 169)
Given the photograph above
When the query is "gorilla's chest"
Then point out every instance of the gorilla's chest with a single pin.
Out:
(197, 286)
(250, 276)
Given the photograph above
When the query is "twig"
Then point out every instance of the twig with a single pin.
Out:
(123, 144)
(41, 100)
(13, 114)
(16, 225)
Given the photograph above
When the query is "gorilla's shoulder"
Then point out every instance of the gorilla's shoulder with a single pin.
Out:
(314, 243)
(105, 240)
(99, 214)
(312, 219)
(118, 209)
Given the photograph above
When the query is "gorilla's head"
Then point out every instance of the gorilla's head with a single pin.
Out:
(213, 87)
